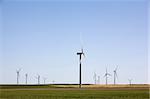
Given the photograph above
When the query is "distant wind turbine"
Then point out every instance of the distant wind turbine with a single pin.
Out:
(18, 75)
(95, 78)
(53, 81)
(98, 79)
(115, 75)
(130, 81)
(80, 71)
(44, 79)
(26, 75)
(106, 75)
(38, 78)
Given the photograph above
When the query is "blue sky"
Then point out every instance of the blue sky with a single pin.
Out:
(43, 38)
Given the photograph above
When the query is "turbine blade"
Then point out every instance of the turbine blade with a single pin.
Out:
(19, 69)
(108, 74)
(81, 50)
(94, 76)
(105, 75)
(116, 68)
(83, 54)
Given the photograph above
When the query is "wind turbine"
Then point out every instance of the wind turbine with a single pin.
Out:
(94, 77)
(115, 75)
(44, 79)
(53, 81)
(18, 75)
(106, 75)
(130, 81)
(38, 78)
(26, 75)
(80, 58)
(98, 79)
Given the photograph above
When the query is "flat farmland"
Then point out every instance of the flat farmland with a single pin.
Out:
(72, 92)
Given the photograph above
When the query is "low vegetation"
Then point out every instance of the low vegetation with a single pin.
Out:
(59, 92)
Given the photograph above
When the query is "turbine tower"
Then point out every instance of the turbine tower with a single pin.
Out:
(98, 79)
(44, 79)
(18, 75)
(80, 57)
(38, 78)
(94, 77)
(106, 75)
(130, 81)
(115, 75)
(53, 81)
(26, 75)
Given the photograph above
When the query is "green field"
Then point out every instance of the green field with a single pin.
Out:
(72, 92)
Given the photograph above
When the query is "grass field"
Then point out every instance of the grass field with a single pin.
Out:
(72, 92)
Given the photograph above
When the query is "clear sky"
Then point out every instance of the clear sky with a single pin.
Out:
(43, 37)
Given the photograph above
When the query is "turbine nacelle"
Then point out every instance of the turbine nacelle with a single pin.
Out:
(18, 75)
(115, 72)
(18, 70)
(81, 53)
(107, 74)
